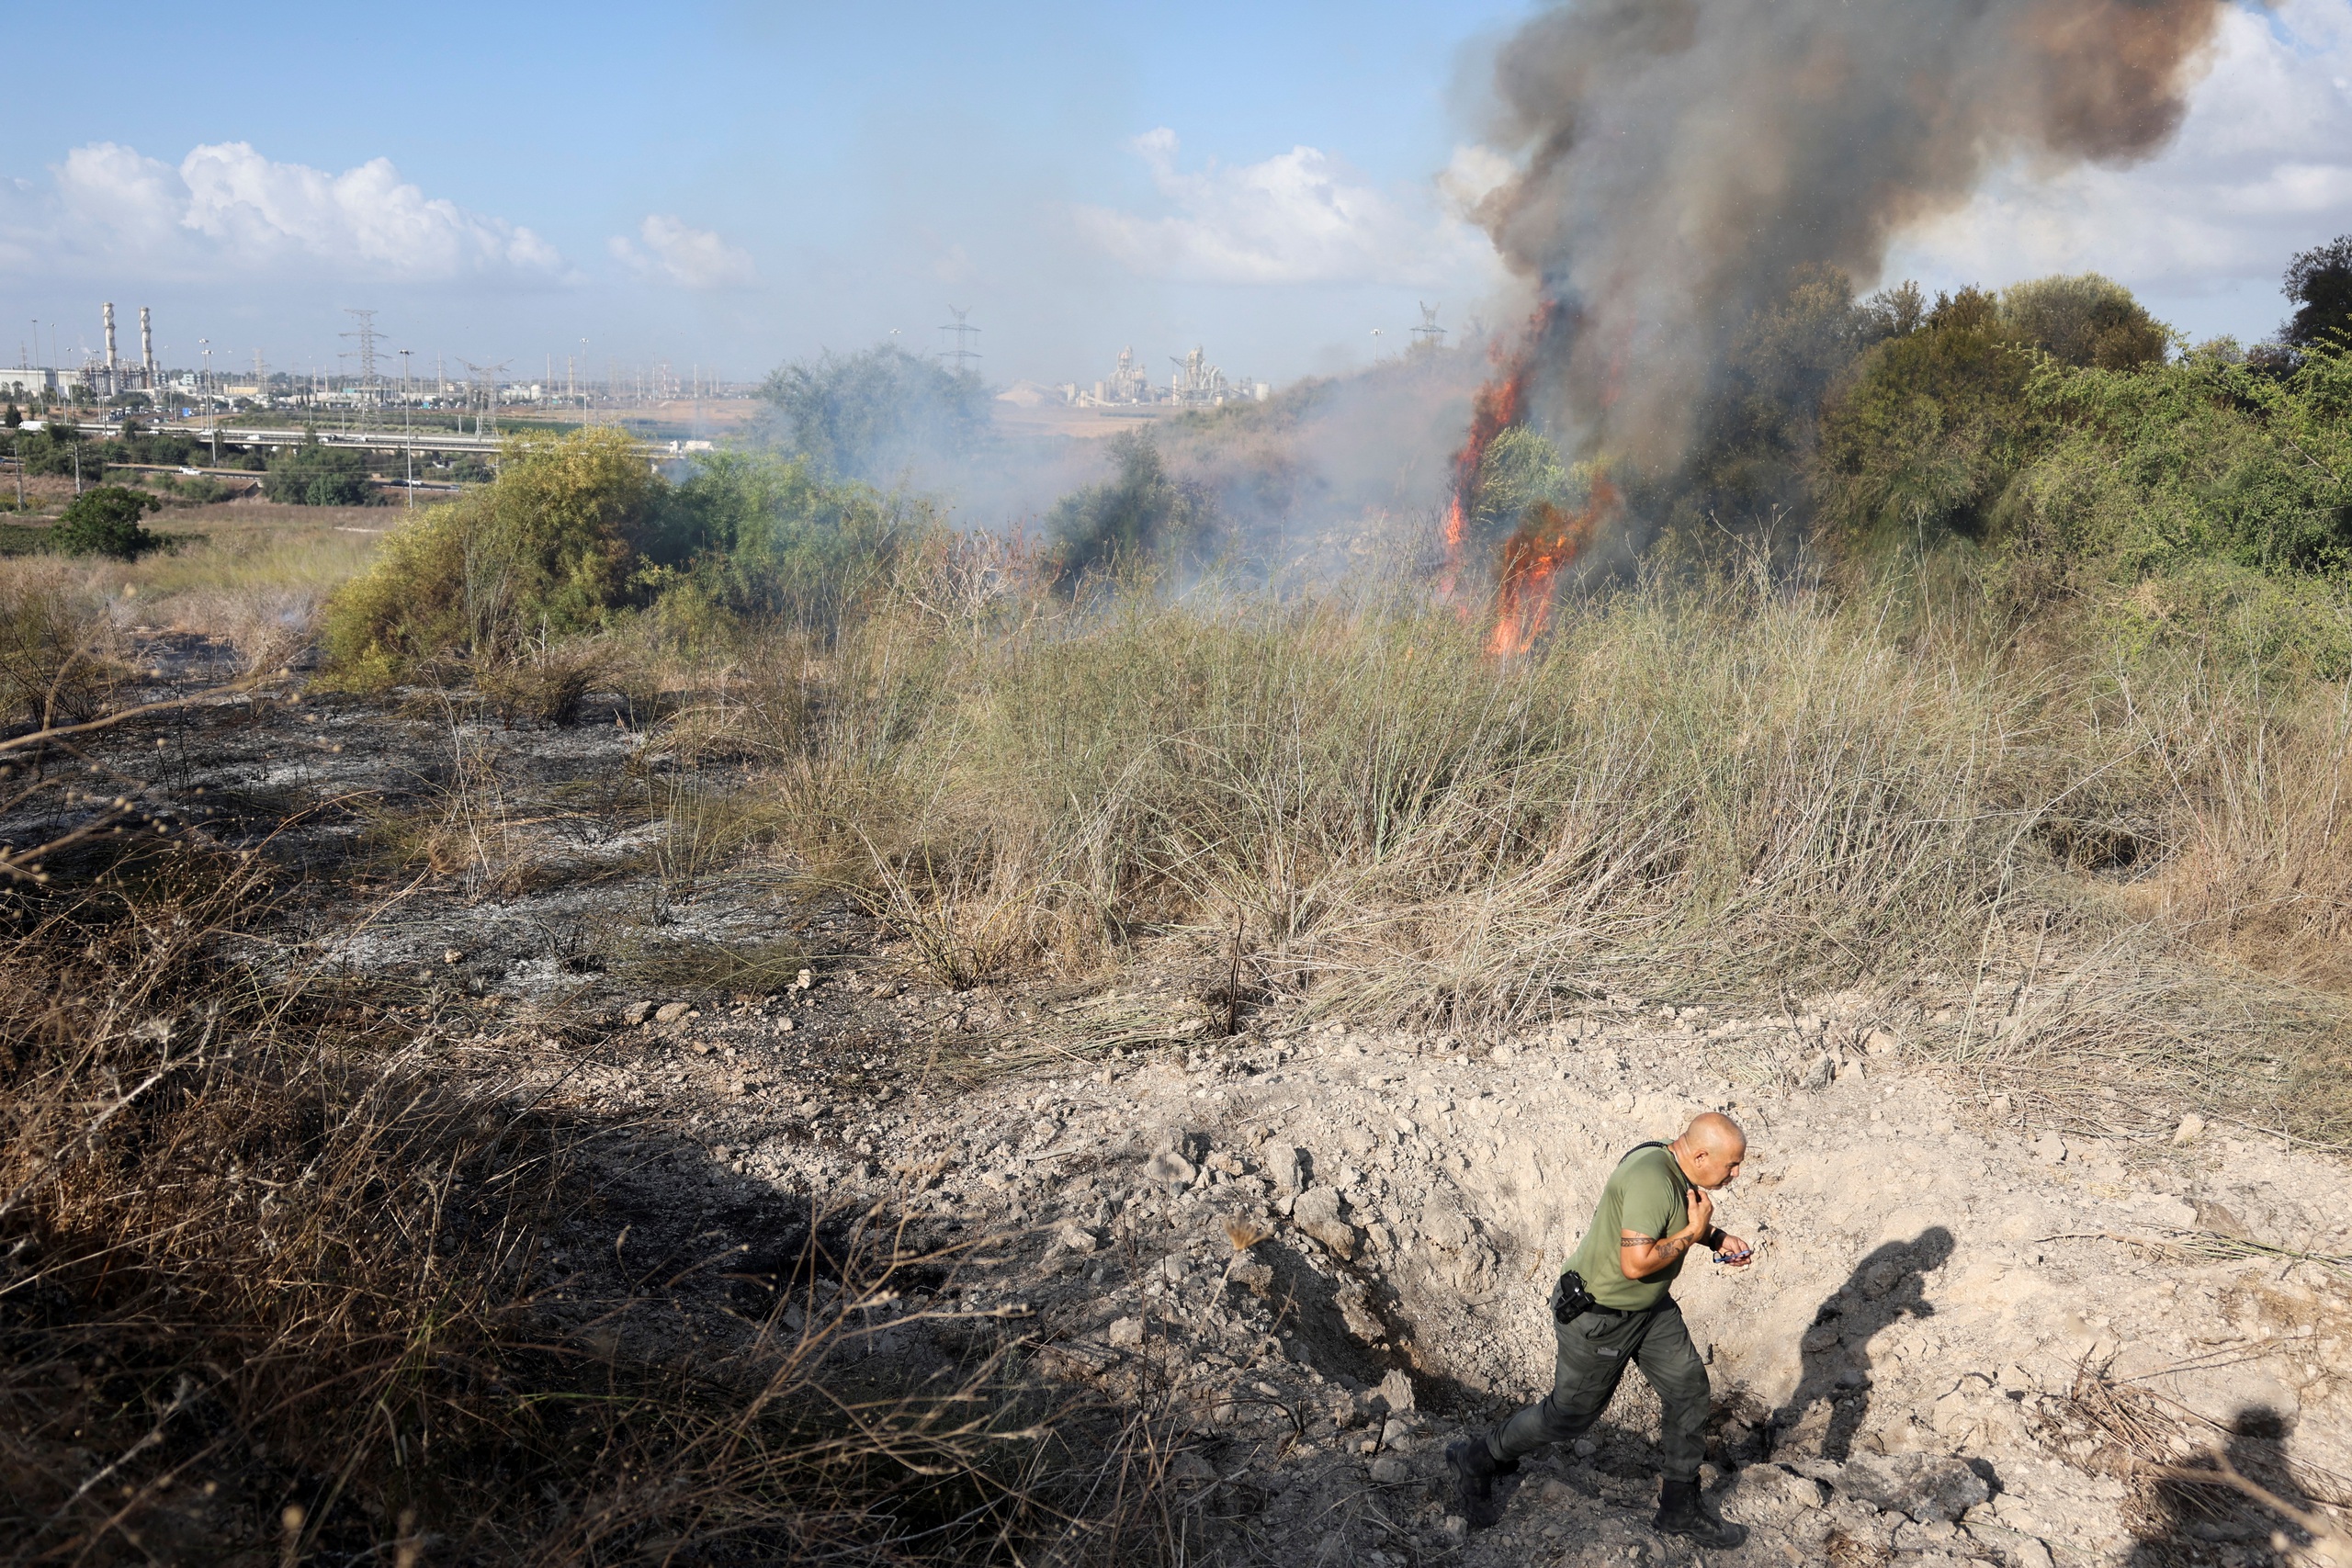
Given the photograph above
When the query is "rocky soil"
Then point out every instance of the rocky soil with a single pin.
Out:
(1321, 1252)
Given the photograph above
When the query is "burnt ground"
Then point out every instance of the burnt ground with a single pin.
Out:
(1314, 1253)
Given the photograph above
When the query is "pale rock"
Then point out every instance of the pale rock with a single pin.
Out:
(1881, 1043)
(1820, 1069)
(1389, 1470)
(1071, 1235)
(1125, 1333)
(1396, 1390)
(2049, 1147)
(2192, 1127)
(1444, 1224)
(636, 1012)
(1772, 1489)
(1318, 1213)
(1169, 1169)
(1355, 1311)
(1189, 1469)
(670, 1012)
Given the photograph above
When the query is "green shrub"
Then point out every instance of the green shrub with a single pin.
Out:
(53, 448)
(1142, 513)
(752, 537)
(2089, 320)
(2198, 461)
(548, 549)
(105, 522)
(868, 416)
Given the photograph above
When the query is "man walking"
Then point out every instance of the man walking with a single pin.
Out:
(1610, 1307)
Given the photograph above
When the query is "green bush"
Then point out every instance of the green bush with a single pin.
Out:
(2202, 460)
(754, 536)
(105, 522)
(868, 416)
(551, 549)
(1142, 513)
(313, 475)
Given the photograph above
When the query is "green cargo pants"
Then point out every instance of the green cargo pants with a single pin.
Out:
(1594, 1349)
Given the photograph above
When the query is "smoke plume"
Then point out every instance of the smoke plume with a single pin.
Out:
(1680, 158)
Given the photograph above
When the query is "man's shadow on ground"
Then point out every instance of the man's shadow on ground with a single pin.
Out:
(1833, 1389)
(2190, 1518)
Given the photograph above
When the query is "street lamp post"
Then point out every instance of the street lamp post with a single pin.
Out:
(408, 434)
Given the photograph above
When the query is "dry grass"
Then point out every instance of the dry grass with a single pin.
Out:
(1725, 792)
(59, 655)
(266, 1288)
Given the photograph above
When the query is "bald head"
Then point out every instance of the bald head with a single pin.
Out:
(1710, 1149)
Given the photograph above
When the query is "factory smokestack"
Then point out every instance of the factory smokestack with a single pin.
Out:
(147, 346)
(112, 387)
(1678, 158)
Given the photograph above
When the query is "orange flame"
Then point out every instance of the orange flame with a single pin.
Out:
(1546, 540)
(1500, 404)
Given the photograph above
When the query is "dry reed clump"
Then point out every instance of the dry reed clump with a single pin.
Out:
(1673, 792)
(546, 679)
(266, 1288)
(60, 657)
(267, 628)
(2261, 840)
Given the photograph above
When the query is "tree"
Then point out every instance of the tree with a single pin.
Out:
(2089, 321)
(13, 418)
(1140, 513)
(1930, 431)
(2320, 283)
(869, 416)
(105, 522)
(313, 475)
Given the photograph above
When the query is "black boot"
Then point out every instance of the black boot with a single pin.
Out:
(1682, 1512)
(1474, 1469)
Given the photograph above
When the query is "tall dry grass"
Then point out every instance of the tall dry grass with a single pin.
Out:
(60, 656)
(1733, 790)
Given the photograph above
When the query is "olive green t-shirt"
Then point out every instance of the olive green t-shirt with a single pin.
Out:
(1644, 1195)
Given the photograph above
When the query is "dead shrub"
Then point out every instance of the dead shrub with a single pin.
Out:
(545, 682)
(60, 657)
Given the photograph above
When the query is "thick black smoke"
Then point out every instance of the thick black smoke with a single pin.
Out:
(1681, 158)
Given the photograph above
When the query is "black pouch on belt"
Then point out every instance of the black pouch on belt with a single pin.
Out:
(1570, 1299)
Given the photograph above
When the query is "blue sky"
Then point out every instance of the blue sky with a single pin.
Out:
(737, 185)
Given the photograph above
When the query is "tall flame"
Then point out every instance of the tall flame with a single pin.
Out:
(1547, 540)
(1498, 405)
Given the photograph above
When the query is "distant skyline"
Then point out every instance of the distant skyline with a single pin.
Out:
(736, 185)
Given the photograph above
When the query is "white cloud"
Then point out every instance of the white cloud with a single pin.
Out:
(227, 210)
(691, 258)
(1299, 217)
(2262, 168)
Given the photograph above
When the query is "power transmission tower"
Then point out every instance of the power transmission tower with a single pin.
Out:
(1429, 337)
(366, 333)
(486, 422)
(962, 353)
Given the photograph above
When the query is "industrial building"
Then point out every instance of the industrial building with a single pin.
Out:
(1196, 384)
